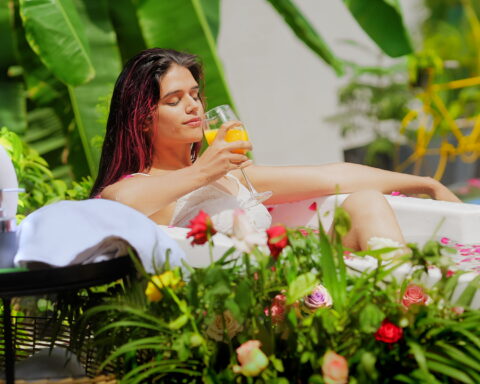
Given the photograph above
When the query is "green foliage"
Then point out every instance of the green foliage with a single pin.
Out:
(68, 54)
(374, 99)
(191, 333)
(194, 34)
(305, 32)
(382, 21)
(33, 174)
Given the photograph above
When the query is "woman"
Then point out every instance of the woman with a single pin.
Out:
(150, 160)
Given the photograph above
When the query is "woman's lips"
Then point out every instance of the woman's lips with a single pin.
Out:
(197, 122)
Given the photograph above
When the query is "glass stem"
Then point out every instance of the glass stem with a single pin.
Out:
(249, 184)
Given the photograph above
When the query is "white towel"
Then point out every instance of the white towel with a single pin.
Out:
(87, 231)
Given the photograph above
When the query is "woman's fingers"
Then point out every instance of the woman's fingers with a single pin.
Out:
(237, 158)
(225, 127)
(244, 164)
(240, 144)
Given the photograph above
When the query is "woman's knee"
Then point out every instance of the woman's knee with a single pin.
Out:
(366, 199)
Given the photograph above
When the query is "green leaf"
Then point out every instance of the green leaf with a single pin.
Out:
(420, 357)
(277, 363)
(468, 293)
(382, 21)
(329, 270)
(7, 54)
(243, 295)
(178, 323)
(446, 370)
(211, 9)
(458, 355)
(370, 318)
(55, 32)
(304, 30)
(193, 34)
(13, 108)
(301, 286)
(88, 100)
(124, 19)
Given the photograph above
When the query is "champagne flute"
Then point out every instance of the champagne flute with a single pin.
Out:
(215, 119)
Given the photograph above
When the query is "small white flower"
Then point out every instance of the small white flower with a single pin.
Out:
(244, 236)
(375, 243)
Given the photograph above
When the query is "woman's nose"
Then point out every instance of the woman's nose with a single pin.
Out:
(192, 106)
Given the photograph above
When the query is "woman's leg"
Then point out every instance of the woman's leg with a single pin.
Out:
(371, 216)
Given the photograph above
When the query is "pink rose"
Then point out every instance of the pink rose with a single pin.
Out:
(458, 310)
(414, 294)
(319, 298)
(334, 368)
(251, 358)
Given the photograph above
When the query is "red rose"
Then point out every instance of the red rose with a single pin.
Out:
(277, 239)
(201, 228)
(277, 309)
(388, 332)
(414, 294)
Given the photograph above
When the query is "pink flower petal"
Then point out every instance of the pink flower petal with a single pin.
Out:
(445, 240)
(313, 206)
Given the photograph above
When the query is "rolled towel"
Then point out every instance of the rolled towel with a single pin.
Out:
(88, 231)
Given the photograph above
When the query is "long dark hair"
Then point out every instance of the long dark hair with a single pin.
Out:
(127, 147)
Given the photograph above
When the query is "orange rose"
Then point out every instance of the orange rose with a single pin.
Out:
(334, 368)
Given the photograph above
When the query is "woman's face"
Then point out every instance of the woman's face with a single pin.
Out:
(180, 111)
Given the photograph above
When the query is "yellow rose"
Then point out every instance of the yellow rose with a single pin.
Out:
(166, 279)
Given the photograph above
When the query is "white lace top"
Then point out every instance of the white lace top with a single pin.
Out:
(219, 205)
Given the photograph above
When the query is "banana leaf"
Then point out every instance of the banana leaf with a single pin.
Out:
(90, 101)
(212, 13)
(13, 106)
(7, 55)
(183, 25)
(56, 33)
(382, 21)
(124, 20)
(302, 28)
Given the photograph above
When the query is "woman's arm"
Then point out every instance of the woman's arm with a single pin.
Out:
(150, 194)
(292, 183)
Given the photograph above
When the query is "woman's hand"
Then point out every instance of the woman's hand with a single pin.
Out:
(440, 192)
(218, 159)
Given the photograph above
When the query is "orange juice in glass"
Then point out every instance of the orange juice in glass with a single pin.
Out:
(215, 118)
(234, 134)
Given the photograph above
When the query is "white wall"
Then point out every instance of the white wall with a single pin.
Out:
(282, 90)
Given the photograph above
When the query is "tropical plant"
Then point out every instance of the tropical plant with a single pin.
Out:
(296, 311)
(34, 175)
(59, 60)
(374, 100)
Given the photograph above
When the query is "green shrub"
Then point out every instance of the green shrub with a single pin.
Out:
(34, 175)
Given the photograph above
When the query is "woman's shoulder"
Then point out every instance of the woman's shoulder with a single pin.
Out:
(111, 191)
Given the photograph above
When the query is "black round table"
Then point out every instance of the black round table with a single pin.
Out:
(14, 283)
